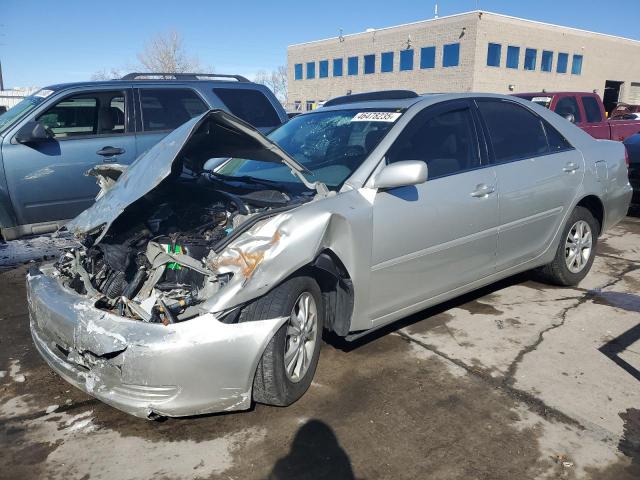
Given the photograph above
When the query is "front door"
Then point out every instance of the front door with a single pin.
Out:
(432, 238)
(46, 180)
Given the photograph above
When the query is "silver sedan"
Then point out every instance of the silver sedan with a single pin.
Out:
(209, 270)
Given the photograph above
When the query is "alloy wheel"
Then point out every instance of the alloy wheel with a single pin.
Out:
(301, 337)
(578, 246)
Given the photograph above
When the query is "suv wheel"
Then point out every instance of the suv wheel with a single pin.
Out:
(289, 361)
(576, 250)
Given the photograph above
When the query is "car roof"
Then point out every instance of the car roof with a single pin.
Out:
(102, 83)
(551, 94)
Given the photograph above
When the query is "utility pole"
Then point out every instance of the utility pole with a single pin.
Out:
(1, 81)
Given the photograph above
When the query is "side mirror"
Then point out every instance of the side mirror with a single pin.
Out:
(570, 117)
(33, 132)
(402, 174)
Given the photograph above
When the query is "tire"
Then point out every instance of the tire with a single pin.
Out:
(272, 384)
(559, 272)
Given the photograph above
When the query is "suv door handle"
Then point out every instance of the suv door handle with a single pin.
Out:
(110, 151)
(482, 190)
(571, 167)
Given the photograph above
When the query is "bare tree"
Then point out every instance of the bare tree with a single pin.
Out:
(276, 80)
(166, 52)
(105, 74)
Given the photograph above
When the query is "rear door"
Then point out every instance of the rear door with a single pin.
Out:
(47, 181)
(595, 124)
(432, 238)
(162, 109)
(538, 176)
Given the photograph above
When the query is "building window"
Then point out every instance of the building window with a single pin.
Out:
(352, 66)
(513, 57)
(406, 59)
(323, 68)
(298, 71)
(369, 64)
(530, 58)
(311, 70)
(494, 52)
(576, 66)
(297, 106)
(451, 55)
(428, 57)
(563, 61)
(386, 62)
(547, 61)
(311, 105)
(337, 67)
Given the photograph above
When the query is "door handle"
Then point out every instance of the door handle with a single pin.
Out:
(571, 167)
(482, 190)
(110, 151)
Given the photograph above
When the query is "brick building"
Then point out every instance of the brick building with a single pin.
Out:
(475, 51)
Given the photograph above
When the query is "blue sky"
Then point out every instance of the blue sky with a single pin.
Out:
(43, 41)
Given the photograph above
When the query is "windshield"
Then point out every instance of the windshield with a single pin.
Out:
(545, 101)
(14, 113)
(331, 145)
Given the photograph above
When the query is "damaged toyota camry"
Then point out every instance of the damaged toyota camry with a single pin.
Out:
(207, 271)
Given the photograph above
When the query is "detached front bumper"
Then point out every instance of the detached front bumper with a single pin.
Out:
(189, 368)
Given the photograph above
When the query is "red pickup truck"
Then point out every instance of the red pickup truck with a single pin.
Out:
(587, 112)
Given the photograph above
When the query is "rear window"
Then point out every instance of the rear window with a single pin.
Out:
(168, 108)
(591, 109)
(568, 106)
(250, 105)
(515, 131)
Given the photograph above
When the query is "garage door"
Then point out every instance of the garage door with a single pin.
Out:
(634, 93)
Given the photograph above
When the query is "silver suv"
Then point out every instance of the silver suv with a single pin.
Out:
(199, 289)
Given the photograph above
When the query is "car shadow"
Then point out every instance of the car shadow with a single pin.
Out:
(347, 346)
(315, 454)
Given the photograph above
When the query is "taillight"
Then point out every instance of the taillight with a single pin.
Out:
(626, 156)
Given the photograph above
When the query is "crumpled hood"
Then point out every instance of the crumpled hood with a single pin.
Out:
(214, 134)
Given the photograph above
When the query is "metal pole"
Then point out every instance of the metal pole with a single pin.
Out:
(1, 81)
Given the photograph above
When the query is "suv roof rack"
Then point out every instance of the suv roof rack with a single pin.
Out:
(181, 76)
(379, 95)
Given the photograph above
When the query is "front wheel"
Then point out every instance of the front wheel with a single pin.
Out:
(289, 361)
(576, 250)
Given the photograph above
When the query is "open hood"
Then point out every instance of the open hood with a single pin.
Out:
(214, 134)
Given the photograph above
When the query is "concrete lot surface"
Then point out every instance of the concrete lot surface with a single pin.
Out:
(518, 381)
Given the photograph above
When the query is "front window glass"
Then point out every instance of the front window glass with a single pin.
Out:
(331, 145)
(8, 118)
(72, 117)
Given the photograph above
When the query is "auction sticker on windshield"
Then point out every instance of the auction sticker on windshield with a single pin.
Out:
(376, 117)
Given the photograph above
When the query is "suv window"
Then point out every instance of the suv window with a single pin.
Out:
(569, 105)
(515, 132)
(592, 109)
(446, 142)
(86, 114)
(168, 108)
(250, 105)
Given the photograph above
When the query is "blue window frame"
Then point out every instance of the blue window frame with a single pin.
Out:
(352, 66)
(563, 61)
(547, 61)
(494, 52)
(298, 71)
(337, 67)
(576, 65)
(406, 59)
(513, 56)
(530, 58)
(369, 64)
(323, 68)
(311, 70)
(451, 55)
(386, 62)
(428, 57)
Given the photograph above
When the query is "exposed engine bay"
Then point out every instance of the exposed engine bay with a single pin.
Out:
(155, 262)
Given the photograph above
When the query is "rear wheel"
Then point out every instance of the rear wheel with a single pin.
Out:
(576, 250)
(289, 361)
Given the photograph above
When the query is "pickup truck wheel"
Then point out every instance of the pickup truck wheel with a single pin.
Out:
(576, 250)
(289, 361)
